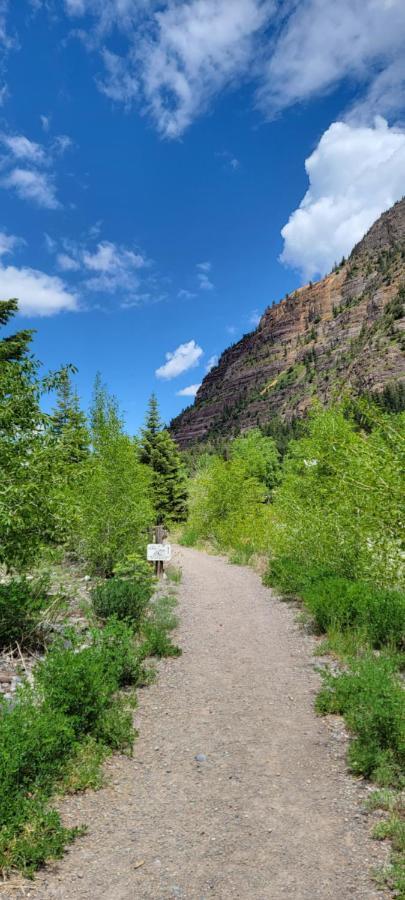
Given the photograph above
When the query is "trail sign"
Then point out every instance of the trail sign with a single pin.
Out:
(159, 553)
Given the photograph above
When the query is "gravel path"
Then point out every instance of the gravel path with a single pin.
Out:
(236, 788)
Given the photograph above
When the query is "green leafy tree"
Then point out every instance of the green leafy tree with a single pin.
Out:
(115, 495)
(169, 479)
(28, 470)
(260, 456)
(339, 507)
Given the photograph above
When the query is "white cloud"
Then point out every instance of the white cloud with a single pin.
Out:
(189, 391)
(186, 357)
(110, 258)
(32, 185)
(205, 283)
(118, 83)
(354, 174)
(323, 42)
(22, 148)
(66, 263)
(108, 268)
(24, 168)
(45, 122)
(186, 295)
(7, 243)
(177, 56)
(254, 318)
(194, 50)
(213, 361)
(38, 294)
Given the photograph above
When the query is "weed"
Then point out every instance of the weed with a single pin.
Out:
(157, 627)
(84, 768)
(174, 575)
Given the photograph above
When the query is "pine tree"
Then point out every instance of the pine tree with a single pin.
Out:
(15, 346)
(158, 451)
(153, 426)
(69, 422)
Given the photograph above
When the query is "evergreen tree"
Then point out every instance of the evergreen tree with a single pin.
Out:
(169, 480)
(69, 423)
(153, 426)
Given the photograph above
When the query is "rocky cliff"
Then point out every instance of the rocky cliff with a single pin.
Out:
(346, 331)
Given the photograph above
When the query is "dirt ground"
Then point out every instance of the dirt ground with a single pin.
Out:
(236, 789)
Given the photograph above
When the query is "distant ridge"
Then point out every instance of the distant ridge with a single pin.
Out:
(347, 330)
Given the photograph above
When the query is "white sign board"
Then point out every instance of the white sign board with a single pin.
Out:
(159, 553)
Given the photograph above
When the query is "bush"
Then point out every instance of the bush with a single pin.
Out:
(345, 605)
(291, 575)
(127, 599)
(22, 604)
(73, 700)
(372, 701)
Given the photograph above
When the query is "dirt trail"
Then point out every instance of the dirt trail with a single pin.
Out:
(269, 813)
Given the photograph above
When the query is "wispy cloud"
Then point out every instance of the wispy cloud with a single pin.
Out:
(203, 270)
(186, 295)
(230, 162)
(30, 184)
(29, 168)
(212, 362)
(254, 318)
(107, 267)
(185, 357)
(177, 57)
(189, 391)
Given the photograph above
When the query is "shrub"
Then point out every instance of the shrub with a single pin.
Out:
(157, 627)
(372, 701)
(81, 684)
(66, 719)
(126, 599)
(339, 603)
(22, 604)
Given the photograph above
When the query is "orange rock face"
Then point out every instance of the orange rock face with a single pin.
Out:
(346, 332)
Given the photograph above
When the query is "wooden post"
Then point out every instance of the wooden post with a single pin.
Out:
(159, 535)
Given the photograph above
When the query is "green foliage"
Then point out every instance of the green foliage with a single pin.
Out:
(372, 701)
(259, 455)
(22, 605)
(29, 514)
(345, 605)
(339, 505)
(169, 484)
(68, 424)
(125, 598)
(114, 494)
(70, 714)
(157, 627)
(228, 498)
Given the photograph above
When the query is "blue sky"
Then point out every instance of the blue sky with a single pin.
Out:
(169, 169)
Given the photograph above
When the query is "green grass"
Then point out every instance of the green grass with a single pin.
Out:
(174, 574)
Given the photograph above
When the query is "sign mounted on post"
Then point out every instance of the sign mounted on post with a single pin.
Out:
(159, 553)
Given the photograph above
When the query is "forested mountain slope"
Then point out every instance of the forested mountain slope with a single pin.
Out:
(345, 331)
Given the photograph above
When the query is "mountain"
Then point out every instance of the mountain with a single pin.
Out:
(345, 331)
